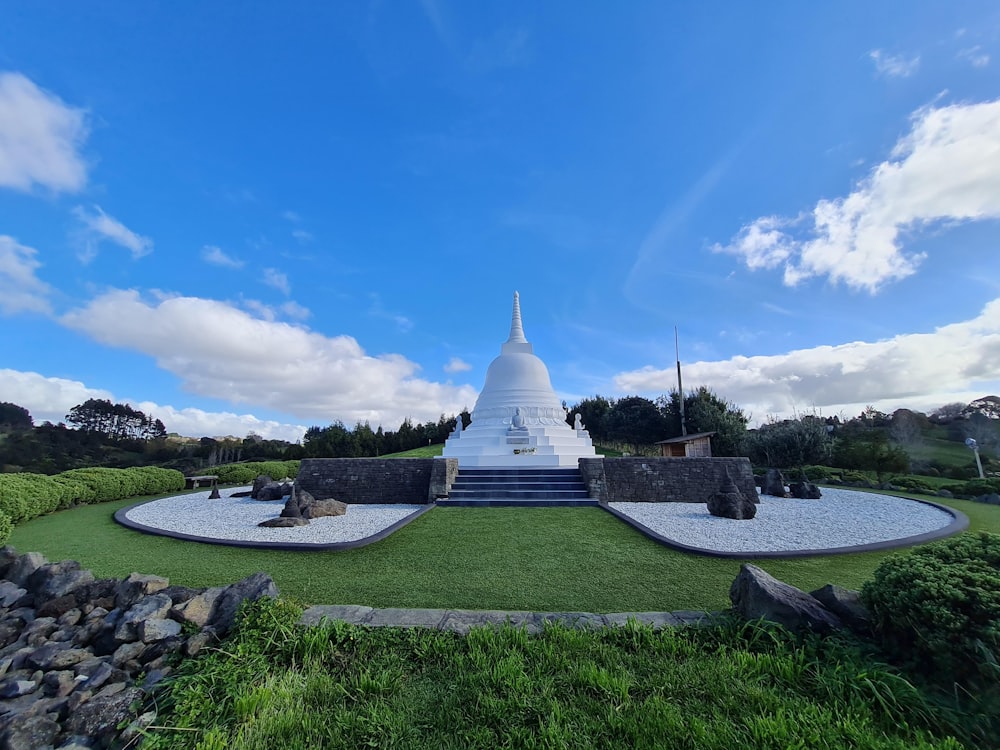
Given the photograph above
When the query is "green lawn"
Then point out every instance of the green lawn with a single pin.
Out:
(543, 559)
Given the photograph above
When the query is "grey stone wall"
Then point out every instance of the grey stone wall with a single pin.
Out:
(377, 480)
(664, 480)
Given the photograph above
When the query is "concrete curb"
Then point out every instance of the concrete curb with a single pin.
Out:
(462, 620)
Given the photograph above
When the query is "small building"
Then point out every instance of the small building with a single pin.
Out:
(697, 445)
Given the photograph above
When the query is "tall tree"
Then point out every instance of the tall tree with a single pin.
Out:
(704, 411)
(14, 416)
(635, 420)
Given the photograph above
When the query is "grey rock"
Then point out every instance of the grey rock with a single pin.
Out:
(69, 618)
(259, 483)
(127, 652)
(355, 614)
(805, 490)
(302, 504)
(991, 499)
(57, 607)
(283, 523)
(845, 604)
(755, 595)
(273, 491)
(10, 630)
(10, 593)
(31, 732)
(78, 742)
(408, 618)
(226, 605)
(57, 656)
(24, 566)
(60, 683)
(729, 502)
(102, 714)
(97, 678)
(158, 628)
(136, 586)
(198, 641)
(774, 484)
(7, 557)
(944, 493)
(10, 688)
(180, 594)
(198, 610)
(656, 620)
(150, 607)
(57, 579)
(133, 733)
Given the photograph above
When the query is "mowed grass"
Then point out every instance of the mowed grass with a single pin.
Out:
(541, 559)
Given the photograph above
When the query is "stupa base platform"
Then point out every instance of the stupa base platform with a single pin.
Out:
(520, 486)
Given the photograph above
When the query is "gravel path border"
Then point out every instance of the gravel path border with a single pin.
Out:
(841, 522)
(233, 521)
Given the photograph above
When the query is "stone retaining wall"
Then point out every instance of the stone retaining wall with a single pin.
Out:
(664, 480)
(377, 480)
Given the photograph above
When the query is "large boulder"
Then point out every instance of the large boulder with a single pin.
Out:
(273, 491)
(804, 489)
(283, 523)
(258, 483)
(302, 504)
(845, 604)
(774, 484)
(729, 502)
(756, 595)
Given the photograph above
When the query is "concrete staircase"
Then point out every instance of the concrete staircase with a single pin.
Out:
(526, 486)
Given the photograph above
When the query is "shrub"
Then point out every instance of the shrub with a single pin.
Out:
(821, 473)
(24, 496)
(857, 477)
(245, 473)
(937, 609)
(6, 526)
(912, 484)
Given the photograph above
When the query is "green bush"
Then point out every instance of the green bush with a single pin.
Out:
(821, 473)
(24, 496)
(977, 487)
(6, 526)
(913, 484)
(937, 609)
(245, 473)
(857, 477)
(75, 492)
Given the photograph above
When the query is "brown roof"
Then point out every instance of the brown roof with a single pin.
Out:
(686, 438)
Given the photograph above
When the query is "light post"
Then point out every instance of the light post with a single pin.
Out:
(974, 446)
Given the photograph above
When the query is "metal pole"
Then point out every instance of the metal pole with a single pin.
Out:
(680, 387)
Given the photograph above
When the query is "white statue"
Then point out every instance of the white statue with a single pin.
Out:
(518, 422)
(578, 422)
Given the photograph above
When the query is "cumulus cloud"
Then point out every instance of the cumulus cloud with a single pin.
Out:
(894, 66)
(274, 277)
(20, 289)
(50, 400)
(99, 226)
(222, 352)
(215, 256)
(40, 138)
(947, 168)
(455, 364)
(919, 370)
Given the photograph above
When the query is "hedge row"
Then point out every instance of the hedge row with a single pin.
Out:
(25, 496)
(245, 473)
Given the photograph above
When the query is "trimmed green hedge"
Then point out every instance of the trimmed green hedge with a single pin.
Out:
(24, 496)
(937, 609)
(245, 473)
(5, 527)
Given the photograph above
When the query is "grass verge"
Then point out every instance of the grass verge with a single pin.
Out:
(731, 686)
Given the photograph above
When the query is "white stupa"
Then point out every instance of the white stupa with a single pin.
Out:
(518, 420)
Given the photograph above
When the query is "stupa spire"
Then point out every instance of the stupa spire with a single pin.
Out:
(516, 342)
(516, 329)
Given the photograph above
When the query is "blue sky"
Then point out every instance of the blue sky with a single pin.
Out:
(267, 216)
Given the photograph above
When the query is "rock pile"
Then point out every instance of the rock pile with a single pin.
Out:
(756, 594)
(73, 648)
(301, 507)
(266, 489)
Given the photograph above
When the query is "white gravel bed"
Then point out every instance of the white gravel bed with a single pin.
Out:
(236, 518)
(841, 518)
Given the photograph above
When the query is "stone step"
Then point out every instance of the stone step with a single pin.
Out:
(518, 492)
(521, 502)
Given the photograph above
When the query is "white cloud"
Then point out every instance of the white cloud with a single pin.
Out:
(947, 168)
(20, 289)
(302, 235)
(222, 352)
(40, 137)
(216, 257)
(920, 370)
(293, 309)
(274, 277)
(50, 400)
(894, 66)
(99, 226)
(455, 364)
(975, 56)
